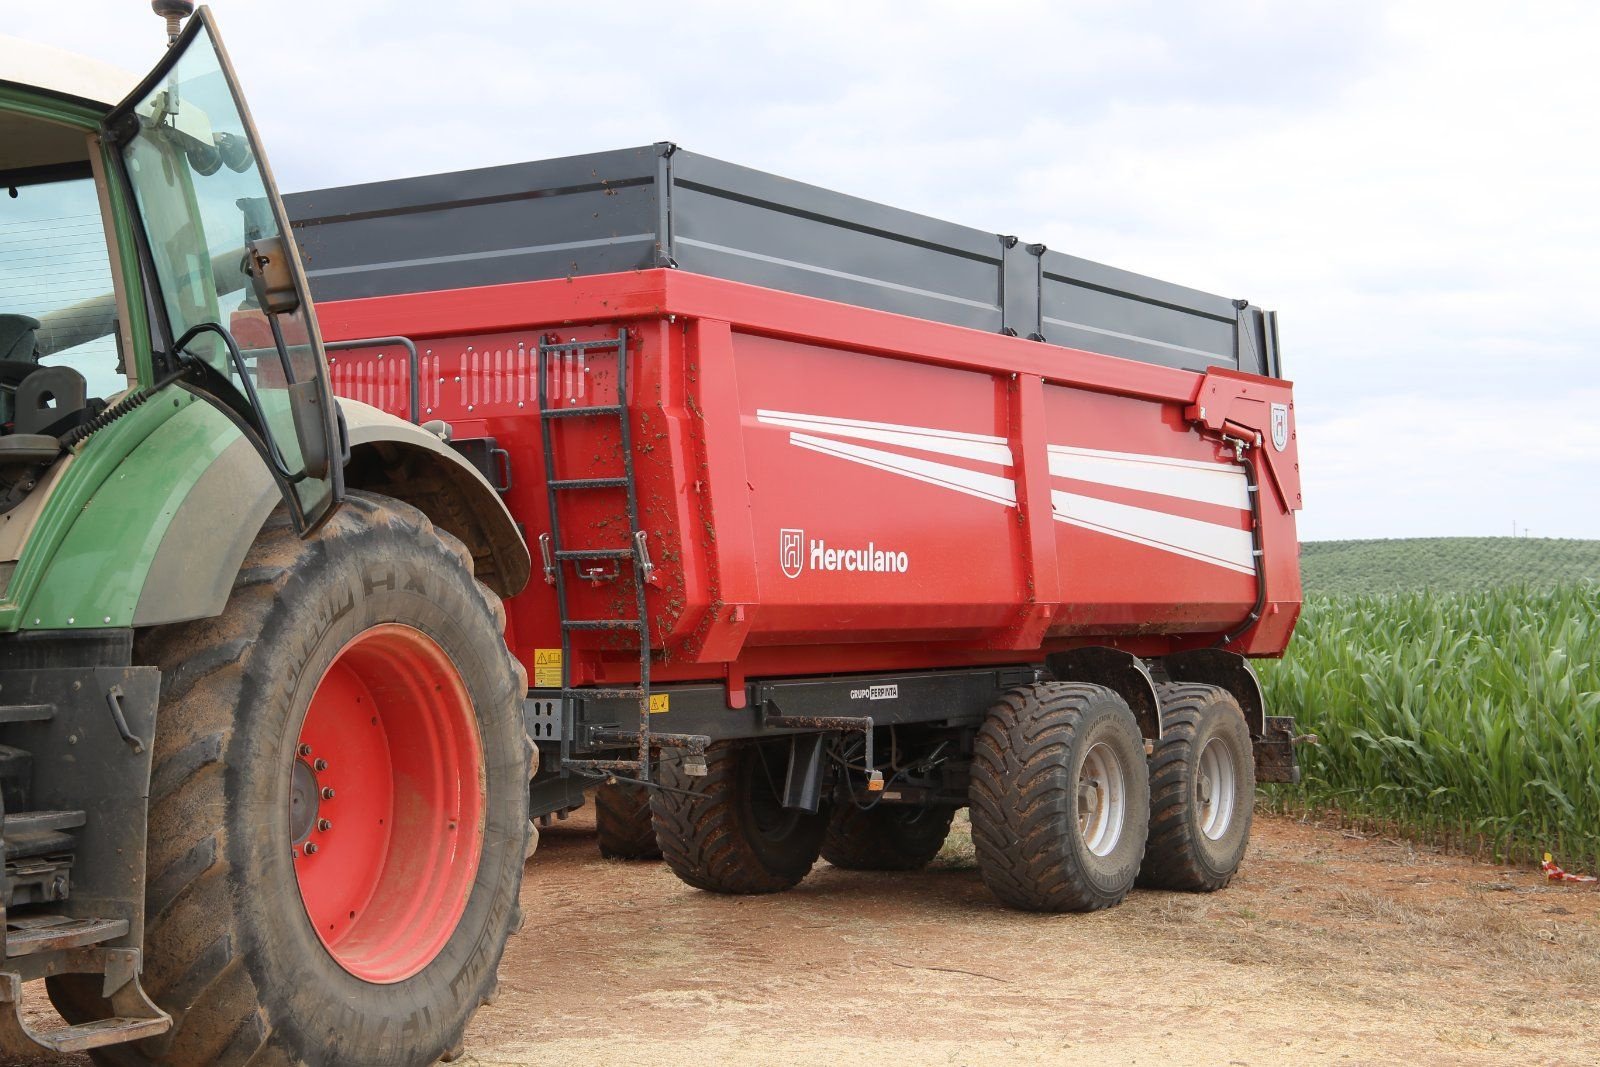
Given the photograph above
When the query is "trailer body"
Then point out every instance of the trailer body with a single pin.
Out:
(833, 489)
(848, 470)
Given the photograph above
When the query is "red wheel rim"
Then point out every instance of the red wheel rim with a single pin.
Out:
(386, 803)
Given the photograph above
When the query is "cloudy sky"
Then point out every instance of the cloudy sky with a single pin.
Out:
(1411, 185)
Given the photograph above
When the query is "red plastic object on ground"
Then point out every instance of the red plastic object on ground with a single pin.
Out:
(1556, 874)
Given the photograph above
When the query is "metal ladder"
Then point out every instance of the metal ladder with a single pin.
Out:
(570, 360)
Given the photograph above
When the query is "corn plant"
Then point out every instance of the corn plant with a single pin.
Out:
(1470, 718)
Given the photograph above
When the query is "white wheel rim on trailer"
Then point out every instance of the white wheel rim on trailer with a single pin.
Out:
(1102, 799)
(1214, 789)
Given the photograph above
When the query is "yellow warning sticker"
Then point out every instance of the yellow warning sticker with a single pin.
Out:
(659, 703)
(547, 668)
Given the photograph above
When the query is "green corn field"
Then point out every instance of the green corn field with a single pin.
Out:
(1470, 719)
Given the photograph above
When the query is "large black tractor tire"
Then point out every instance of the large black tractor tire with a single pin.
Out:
(1060, 798)
(230, 951)
(885, 837)
(1202, 791)
(727, 831)
(622, 819)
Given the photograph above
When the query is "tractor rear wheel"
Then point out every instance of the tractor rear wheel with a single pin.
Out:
(1060, 798)
(622, 819)
(337, 807)
(1202, 791)
(727, 831)
(885, 837)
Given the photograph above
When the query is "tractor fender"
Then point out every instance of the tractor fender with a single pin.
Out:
(1226, 670)
(1121, 672)
(193, 569)
(394, 457)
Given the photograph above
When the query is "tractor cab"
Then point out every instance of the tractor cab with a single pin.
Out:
(143, 251)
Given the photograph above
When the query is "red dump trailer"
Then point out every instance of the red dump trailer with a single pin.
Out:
(848, 517)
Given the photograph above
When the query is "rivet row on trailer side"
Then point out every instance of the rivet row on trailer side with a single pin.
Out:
(848, 517)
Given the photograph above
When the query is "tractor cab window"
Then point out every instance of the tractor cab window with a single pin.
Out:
(222, 263)
(56, 304)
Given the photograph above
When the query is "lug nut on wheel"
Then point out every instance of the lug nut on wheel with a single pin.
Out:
(311, 848)
(324, 825)
(327, 792)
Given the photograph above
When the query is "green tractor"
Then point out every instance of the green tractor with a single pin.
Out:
(262, 758)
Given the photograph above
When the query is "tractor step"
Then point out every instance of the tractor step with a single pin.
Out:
(102, 1032)
(28, 934)
(135, 1016)
(27, 822)
(39, 833)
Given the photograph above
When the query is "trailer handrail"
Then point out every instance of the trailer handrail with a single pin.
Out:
(413, 366)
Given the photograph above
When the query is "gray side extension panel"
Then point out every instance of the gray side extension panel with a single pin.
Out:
(661, 206)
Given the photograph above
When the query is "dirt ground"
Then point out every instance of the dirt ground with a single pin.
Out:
(1329, 947)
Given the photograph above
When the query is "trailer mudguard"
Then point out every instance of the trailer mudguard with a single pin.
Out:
(1122, 672)
(1227, 670)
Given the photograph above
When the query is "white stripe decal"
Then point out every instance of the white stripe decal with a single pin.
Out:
(973, 483)
(1204, 482)
(1207, 483)
(944, 442)
(1208, 542)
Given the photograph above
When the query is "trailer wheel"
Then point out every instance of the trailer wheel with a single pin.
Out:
(622, 817)
(337, 806)
(1202, 791)
(1060, 798)
(727, 831)
(885, 837)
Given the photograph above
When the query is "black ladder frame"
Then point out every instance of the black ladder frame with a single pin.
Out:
(573, 365)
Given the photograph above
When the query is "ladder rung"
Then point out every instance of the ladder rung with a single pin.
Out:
(582, 412)
(588, 483)
(603, 694)
(604, 764)
(603, 624)
(595, 553)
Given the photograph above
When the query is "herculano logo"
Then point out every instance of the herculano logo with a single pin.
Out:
(794, 550)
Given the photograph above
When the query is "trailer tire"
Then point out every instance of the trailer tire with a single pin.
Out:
(1202, 791)
(622, 819)
(378, 612)
(1060, 798)
(726, 831)
(885, 837)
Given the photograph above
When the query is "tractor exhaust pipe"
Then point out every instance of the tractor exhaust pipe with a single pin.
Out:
(174, 11)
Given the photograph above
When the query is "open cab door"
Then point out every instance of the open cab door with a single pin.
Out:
(227, 293)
